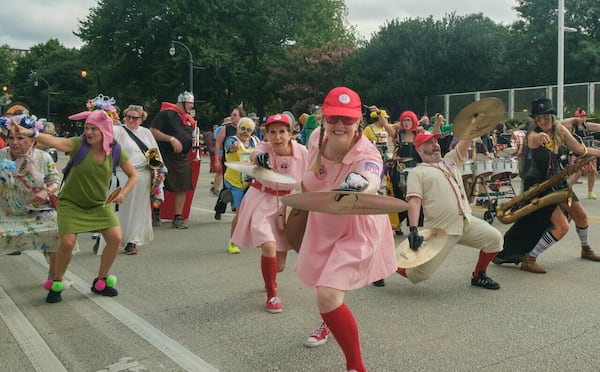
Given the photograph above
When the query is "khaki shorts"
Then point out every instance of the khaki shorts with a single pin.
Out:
(179, 178)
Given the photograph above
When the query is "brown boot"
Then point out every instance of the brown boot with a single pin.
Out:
(588, 254)
(529, 264)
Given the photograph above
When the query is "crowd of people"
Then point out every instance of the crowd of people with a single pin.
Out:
(116, 168)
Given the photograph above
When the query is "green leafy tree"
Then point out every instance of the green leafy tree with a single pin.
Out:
(406, 61)
(234, 41)
(58, 66)
(536, 37)
(7, 65)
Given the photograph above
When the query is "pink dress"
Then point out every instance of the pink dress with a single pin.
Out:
(345, 251)
(259, 211)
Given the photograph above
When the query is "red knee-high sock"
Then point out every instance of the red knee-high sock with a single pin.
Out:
(484, 261)
(343, 326)
(268, 267)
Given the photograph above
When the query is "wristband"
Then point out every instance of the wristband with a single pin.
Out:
(171, 139)
(34, 133)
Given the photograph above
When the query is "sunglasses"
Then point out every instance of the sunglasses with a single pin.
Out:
(245, 129)
(346, 120)
(132, 117)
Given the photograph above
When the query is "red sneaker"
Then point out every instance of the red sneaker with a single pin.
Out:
(274, 305)
(318, 337)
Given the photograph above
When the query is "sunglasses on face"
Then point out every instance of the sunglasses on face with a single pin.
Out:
(245, 129)
(132, 117)
(345, 120)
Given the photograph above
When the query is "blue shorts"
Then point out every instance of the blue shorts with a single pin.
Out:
(236, 193)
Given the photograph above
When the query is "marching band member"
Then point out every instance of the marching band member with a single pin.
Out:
(343, 252)
(81, 202)
(261, 213)
(528, 237)
(436, 185)
(580, 127)
(28, 178)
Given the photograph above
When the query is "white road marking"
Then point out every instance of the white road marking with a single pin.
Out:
(30, 341)
(124, 365)
(174, 351)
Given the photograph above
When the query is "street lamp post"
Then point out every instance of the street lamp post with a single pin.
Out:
(191, 62)
(560, 80)
(35, 83)
(560, 85)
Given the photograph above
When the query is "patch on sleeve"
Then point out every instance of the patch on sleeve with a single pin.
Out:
(451, 164)
(372, 167)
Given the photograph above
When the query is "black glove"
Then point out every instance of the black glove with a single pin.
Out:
(262, 160)
(414, 239)
(354, 182)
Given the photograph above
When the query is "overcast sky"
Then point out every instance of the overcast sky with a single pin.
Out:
(29, 22)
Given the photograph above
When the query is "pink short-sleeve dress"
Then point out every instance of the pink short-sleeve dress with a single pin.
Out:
(260, 210)
(345, 251)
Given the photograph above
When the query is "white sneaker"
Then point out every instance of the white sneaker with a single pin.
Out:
(318, 337)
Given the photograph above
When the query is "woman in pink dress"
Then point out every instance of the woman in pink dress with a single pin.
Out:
(343, 252)
(261, 214)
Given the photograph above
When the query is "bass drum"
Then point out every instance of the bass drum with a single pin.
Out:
(484, 168)
(467, 168)
(505, 168)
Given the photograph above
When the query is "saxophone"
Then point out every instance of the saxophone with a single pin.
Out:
(529, 201)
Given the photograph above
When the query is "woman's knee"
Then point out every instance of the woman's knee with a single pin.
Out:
(67, 243)
(329, 299)
(112, 235)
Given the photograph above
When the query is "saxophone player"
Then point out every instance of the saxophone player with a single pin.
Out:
(548, 141)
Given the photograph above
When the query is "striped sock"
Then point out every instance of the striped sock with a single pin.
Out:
(584, 235)
(544, 243)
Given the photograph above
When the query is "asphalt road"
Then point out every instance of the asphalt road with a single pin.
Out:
(186, 304)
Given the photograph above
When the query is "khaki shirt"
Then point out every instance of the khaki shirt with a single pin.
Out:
(440, 188)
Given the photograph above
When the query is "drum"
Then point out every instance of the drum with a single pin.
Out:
(505, 168)
(484, 168)
(467, 168)
(514, 167)
(519, 137)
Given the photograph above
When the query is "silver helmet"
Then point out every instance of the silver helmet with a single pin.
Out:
(185, 97)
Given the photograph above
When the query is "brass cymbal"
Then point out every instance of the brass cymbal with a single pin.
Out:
(259, 173)
(113, 195)
(345, 202)
(478, 118)
(433, 242)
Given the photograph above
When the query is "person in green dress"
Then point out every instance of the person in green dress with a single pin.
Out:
(81, 202)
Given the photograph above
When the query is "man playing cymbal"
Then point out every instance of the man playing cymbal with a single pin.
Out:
(436, 185)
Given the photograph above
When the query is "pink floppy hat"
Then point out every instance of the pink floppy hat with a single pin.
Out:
(102, 121)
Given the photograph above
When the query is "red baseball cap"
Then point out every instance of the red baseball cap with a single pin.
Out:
(425, 136)
(278, 118)
(342, 101)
